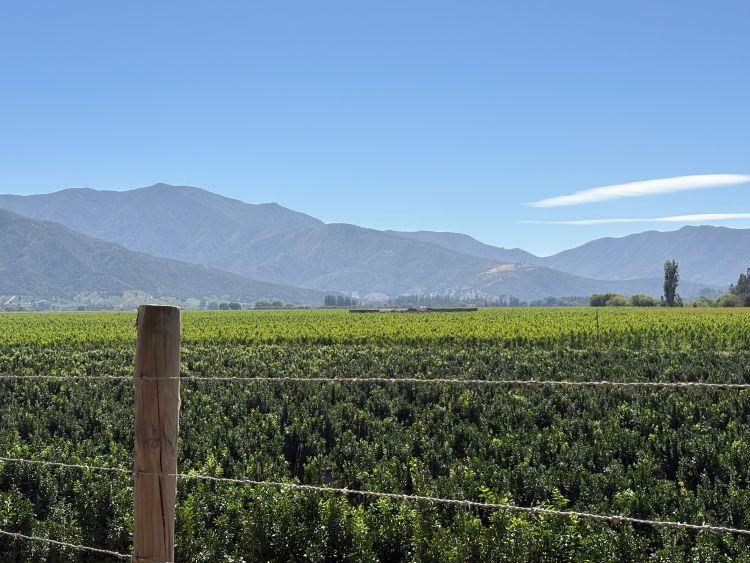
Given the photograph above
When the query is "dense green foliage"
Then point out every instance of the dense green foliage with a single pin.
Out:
(737, 296)
(671, 281)
(664, 454)
(576, 327)
(617, 300)
(741, 290)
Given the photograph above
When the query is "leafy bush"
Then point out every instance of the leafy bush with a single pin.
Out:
(617, 301)
(599, 299)
(728, 300)
(608, 300)
(661, 454)
(643, 301)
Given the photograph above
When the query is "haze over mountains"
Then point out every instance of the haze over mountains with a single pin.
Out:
(707, 255)
(468, 245)
(277, 245)
(46, 259)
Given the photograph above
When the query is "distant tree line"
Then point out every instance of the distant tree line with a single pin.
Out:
(737, 296)
(741, 290)
(340, 301)
(224, 306)
(617, 300)
(572, 301)
(437, 300)
(448, 300)
(670, 298)
(273, 304)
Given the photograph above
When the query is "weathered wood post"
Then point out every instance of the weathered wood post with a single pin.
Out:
(157, 410)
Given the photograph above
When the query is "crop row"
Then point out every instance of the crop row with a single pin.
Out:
(665, 454)
(545, 327)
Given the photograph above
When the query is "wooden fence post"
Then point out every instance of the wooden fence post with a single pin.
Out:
(157, 411)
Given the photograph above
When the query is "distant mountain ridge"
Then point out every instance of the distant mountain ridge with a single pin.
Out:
(465, 244)
(271, 243)
(178, 222)
(46, 259)
(707, 255)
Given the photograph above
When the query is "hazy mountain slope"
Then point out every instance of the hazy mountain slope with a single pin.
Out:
(465, 244)
(534, 282)
(347, 257)
(48, 260)
(707, 255)
(274, 244)
(387, 263)
(264, 242)
(179, 222)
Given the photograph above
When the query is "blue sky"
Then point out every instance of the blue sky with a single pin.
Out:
(406, 115)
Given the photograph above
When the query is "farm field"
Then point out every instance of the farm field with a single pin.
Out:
(660, 454)
(566, 326)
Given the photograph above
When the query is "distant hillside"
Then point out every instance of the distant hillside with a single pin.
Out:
(274, 244)
(707, 255)
(349, 258)
(468, 245)
(48, 260)
(178, 222)
(537, 282)
(266, 242)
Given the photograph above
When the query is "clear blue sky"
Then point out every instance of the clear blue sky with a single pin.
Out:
(408, 115)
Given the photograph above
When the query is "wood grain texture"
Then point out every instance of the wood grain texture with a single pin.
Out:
(157, 409)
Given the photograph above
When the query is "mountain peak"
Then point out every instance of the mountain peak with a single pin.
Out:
(162, 187)
(270, 242)
(159, 186)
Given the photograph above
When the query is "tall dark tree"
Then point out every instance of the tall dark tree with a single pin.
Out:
(742, 289)
(743, 285)
(671, 281)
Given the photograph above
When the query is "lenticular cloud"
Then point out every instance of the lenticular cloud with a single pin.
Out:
(644, 188)
(693, 218)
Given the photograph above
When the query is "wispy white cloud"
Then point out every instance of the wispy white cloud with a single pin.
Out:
(644, 188)
(694, 218)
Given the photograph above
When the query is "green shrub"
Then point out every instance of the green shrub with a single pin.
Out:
(617, 301)
(728, 300)
(607, 300)
(599, 299)
(643, 301)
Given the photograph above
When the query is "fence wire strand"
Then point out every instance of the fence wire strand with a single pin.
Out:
(66, 465)
(614, 519)
(67, 545)
(76, 377)
(533, 510)
(396, 381)
(472, 382)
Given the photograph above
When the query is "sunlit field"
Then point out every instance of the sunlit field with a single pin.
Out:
(661, 454)
(569, 326)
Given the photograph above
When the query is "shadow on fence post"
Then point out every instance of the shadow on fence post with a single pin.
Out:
(157, 411)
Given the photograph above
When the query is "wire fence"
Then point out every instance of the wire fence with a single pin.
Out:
(613, 518)
(396, 381)
(469, 504)
(76, 547)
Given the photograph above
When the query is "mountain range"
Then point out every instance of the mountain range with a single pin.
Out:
(46, 259)
(712, 256)
(276, 245)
